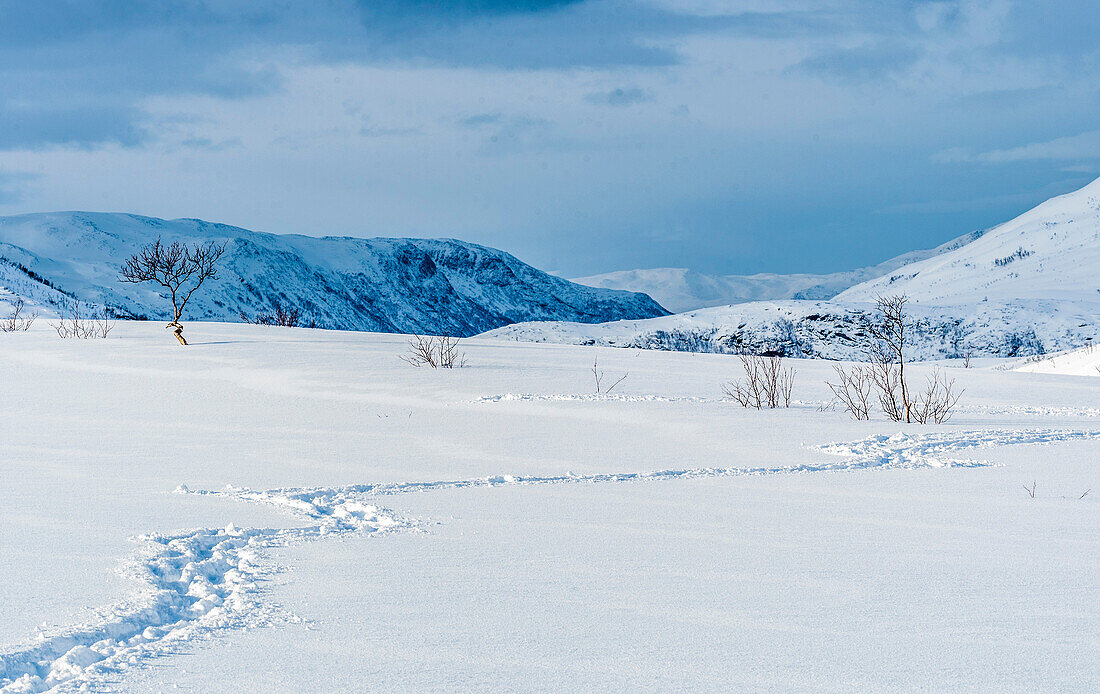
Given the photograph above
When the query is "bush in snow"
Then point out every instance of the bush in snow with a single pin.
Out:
(285, 317)
(77, 324)
(599, 378)
(885, 374)
(853, 390)
(767, 383)
(16, 320)
(436, 352)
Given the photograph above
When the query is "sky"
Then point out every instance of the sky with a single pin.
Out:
(584, 136)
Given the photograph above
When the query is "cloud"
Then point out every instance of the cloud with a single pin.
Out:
(12, 185)
(623, 96)
(883, 41)
(82, 125)
(481, 119)
(869, 62)
(111, 56)
(1083, 146)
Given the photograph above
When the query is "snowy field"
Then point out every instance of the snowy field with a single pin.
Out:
(294, 510)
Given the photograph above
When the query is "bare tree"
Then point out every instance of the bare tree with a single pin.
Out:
(179, 268)
(887, 356)
(853, 389)
(886, 375)
(74, 323)
(767, 383)
(598, 376)
(886, 371)
(436, 352)
(16, 320)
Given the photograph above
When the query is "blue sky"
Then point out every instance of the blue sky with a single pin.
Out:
(582, 135)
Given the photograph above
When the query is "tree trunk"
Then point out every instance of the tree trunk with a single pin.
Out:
(177, 330)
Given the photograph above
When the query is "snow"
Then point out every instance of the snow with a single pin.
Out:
(835, 330)
(681, 290)
(290, 509)
(435, 286)
(1050, 252)
(1077, 362)
(1026, 287)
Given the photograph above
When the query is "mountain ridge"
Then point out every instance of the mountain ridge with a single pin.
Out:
(1024, 287)
(383, 284)
(681, 289)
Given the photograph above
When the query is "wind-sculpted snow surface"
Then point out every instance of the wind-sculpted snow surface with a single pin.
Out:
(201, 581)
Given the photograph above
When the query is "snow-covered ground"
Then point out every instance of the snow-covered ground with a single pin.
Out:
(1077, 362)
(292, 510)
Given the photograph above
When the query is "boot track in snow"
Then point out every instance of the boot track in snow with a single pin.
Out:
(198, 582)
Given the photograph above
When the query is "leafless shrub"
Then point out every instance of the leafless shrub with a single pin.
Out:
(767, 383)
(74, 323)
(598, 376)
(281, 316)
(853, 390)
(1031, 492)
(887, 357)
(933, 405)
(16, 320)
(178, 267)
(887, 376)
(437, 352)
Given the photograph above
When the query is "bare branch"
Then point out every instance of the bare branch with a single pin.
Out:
(75, 324)
(179, 268)
(16, 320)
(767, 383)
(436, 352)
(853, 390)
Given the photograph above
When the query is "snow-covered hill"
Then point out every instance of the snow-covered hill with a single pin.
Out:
(680, 289)
(385, 285)
(1050, 252)
(836, 330)
(1029, 286)
(1077, 362)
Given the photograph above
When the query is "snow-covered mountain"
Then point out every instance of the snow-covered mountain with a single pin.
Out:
(1049, 252)
(680, 289)
(1029, 286)
(385, 285)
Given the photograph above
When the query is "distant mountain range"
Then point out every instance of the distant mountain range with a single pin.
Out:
(1028, 286)
(437, 286)
(680, 289)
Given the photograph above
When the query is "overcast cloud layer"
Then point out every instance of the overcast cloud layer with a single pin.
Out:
(582, 135)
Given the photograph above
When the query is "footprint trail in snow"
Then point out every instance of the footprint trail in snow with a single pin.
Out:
(201, 581)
